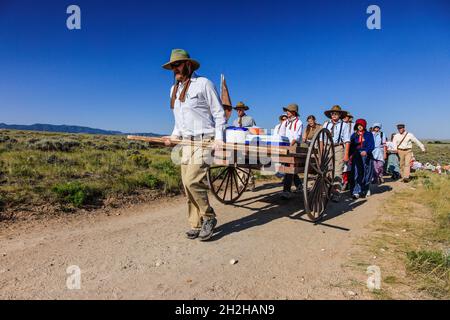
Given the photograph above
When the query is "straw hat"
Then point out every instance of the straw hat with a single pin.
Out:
(336, 108)
(241, 105)
(180, 55)
(292, 108)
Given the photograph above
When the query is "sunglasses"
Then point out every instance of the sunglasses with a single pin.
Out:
(176, 64)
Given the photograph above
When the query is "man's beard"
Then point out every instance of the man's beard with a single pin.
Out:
(184, 74)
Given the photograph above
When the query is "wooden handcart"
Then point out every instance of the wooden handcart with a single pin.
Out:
(232, 167)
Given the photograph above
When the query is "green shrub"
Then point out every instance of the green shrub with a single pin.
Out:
(53, 145)
(75, 193)
(428, 262)
(137, 145)
(150, 181)
(2, 202)
(140, 160)
(166, 167)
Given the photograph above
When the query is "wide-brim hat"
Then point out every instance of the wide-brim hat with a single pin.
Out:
(400, 125)
(282, 116)
(336, 108)
(349, 115)
(293, 107)
(241, 105)
(180, 55)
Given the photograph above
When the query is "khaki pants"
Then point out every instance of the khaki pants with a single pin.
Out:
(339, 152)
(193, 175)
(405, 162)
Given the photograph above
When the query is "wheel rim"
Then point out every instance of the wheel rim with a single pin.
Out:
(228, 183)
(319, 174)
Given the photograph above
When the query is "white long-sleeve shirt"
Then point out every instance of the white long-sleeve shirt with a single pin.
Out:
(293, 129)
(407, 142)
(202, 111)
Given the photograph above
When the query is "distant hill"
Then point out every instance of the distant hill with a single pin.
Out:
(69, 129)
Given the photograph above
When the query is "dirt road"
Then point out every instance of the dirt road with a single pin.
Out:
(141, 252)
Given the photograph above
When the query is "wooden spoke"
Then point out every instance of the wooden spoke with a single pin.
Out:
(226, 186)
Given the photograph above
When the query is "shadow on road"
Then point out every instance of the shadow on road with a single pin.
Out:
(277, 208)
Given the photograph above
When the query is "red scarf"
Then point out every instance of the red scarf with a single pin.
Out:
(361, 138)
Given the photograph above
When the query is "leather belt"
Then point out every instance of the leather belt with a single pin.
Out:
(198, 137)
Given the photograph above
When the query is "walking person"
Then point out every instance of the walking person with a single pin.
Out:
(311, 128)
(347, 166)
(404, 141)
(341, 139)
(379, 153)
(393, 163)
(361, 147)
(199, 116)
(292, 128)
(281, 119)
(243, 120)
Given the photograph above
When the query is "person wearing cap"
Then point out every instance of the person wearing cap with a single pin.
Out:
(311, 128)
(199, 115)
(347, 168)
(243, 120)
(340, 133)
(404, 140)
(282, 118)
(361, 147)
(292, 128)
(379, 153)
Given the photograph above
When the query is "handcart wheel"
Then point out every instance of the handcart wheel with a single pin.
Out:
(228, 183)
(319, 174)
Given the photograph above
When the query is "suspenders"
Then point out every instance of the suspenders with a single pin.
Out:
(340, 131)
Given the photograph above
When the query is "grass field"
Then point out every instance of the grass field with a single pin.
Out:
(48, 172)
(69, 171)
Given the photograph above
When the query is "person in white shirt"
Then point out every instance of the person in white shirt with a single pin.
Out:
(199, 115)
(404, 140)
(379, 153)
(340, 132)
(347, 168)
(276, 130)
(293, 129)
(393, 163)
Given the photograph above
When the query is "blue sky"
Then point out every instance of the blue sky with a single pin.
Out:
(315, 53)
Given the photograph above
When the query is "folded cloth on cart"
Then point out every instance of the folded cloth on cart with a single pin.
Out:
(267, 140)
(257, 130)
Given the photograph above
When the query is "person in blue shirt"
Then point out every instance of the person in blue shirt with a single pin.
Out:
(379, 153)
(361, 146)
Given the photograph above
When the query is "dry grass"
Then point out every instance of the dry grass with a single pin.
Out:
(70, 171)
(411, 241)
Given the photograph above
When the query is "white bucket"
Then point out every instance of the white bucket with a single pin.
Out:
(236, 135)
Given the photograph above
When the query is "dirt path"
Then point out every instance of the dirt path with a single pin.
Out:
(142, 253)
